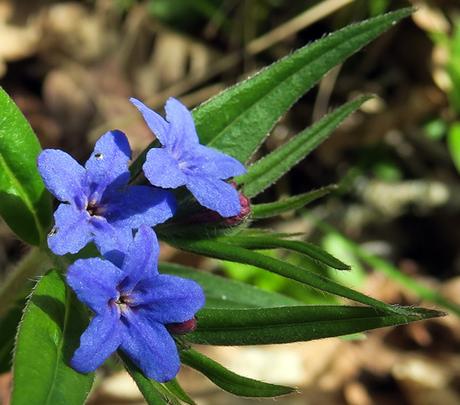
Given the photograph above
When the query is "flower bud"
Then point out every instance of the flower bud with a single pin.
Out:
(211, 217)
(245, 203)
(183, 327)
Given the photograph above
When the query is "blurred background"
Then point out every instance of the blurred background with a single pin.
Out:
(394, 216)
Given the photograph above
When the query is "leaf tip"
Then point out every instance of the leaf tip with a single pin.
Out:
(418, 313)
(403, 12)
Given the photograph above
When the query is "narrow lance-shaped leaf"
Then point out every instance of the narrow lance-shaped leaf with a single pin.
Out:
(48, 335)
(268, 210)
(392, 272)
(293, 324)
(230, 381)
(266, 231)
(238, 254)
(270, 168)
(237, 120)
(25, 205)
(422, 291)
(153, 392)
(272, 242)
(223, 293)
(174, 388)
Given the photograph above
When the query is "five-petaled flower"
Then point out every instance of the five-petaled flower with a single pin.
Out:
(98, 204)
(132, 305)
(182, 161)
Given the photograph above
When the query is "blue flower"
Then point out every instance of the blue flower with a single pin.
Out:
(182, 161)
(132, 305)
(98, 205)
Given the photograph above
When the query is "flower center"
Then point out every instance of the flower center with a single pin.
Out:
(123, 302)
(188, 166)
(94, 209)
(123, 299)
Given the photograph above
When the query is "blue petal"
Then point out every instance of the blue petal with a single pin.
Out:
(168, 299)
(72, 230)
(217, 164)
(141, 259)
(162, 169)
(155, 122)
(95, 282)
(99, 341)
(62, 175)
(139, 205)
(111, 240)
(108, 164)
(151, 348)
(182, 125)
(215, 194)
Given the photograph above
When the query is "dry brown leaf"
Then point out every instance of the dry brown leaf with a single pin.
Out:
(426, 381)
(78, 33)
(173, 58)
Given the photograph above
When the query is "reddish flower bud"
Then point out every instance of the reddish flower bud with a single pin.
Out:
(245, 203)
(207, 216)
(183, 327)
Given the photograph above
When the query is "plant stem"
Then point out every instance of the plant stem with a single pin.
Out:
(34, 263)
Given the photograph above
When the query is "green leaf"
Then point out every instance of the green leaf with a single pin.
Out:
(230, 381)
(48, 335)
(272, 242)
(268, 210)
(154, 392)
(271, 167)
(238, 254)
(237, 120)
(174, 388)
(25, 205)
(422, 291)
(453, 143)
(293, 324)
(222, 292)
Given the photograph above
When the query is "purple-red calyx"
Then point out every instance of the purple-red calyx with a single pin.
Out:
(245, 203)
(211, 217)
(182, 328)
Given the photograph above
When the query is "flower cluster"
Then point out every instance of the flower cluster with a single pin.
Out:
(135, 308)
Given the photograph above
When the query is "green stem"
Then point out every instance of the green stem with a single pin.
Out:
(34, 263)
